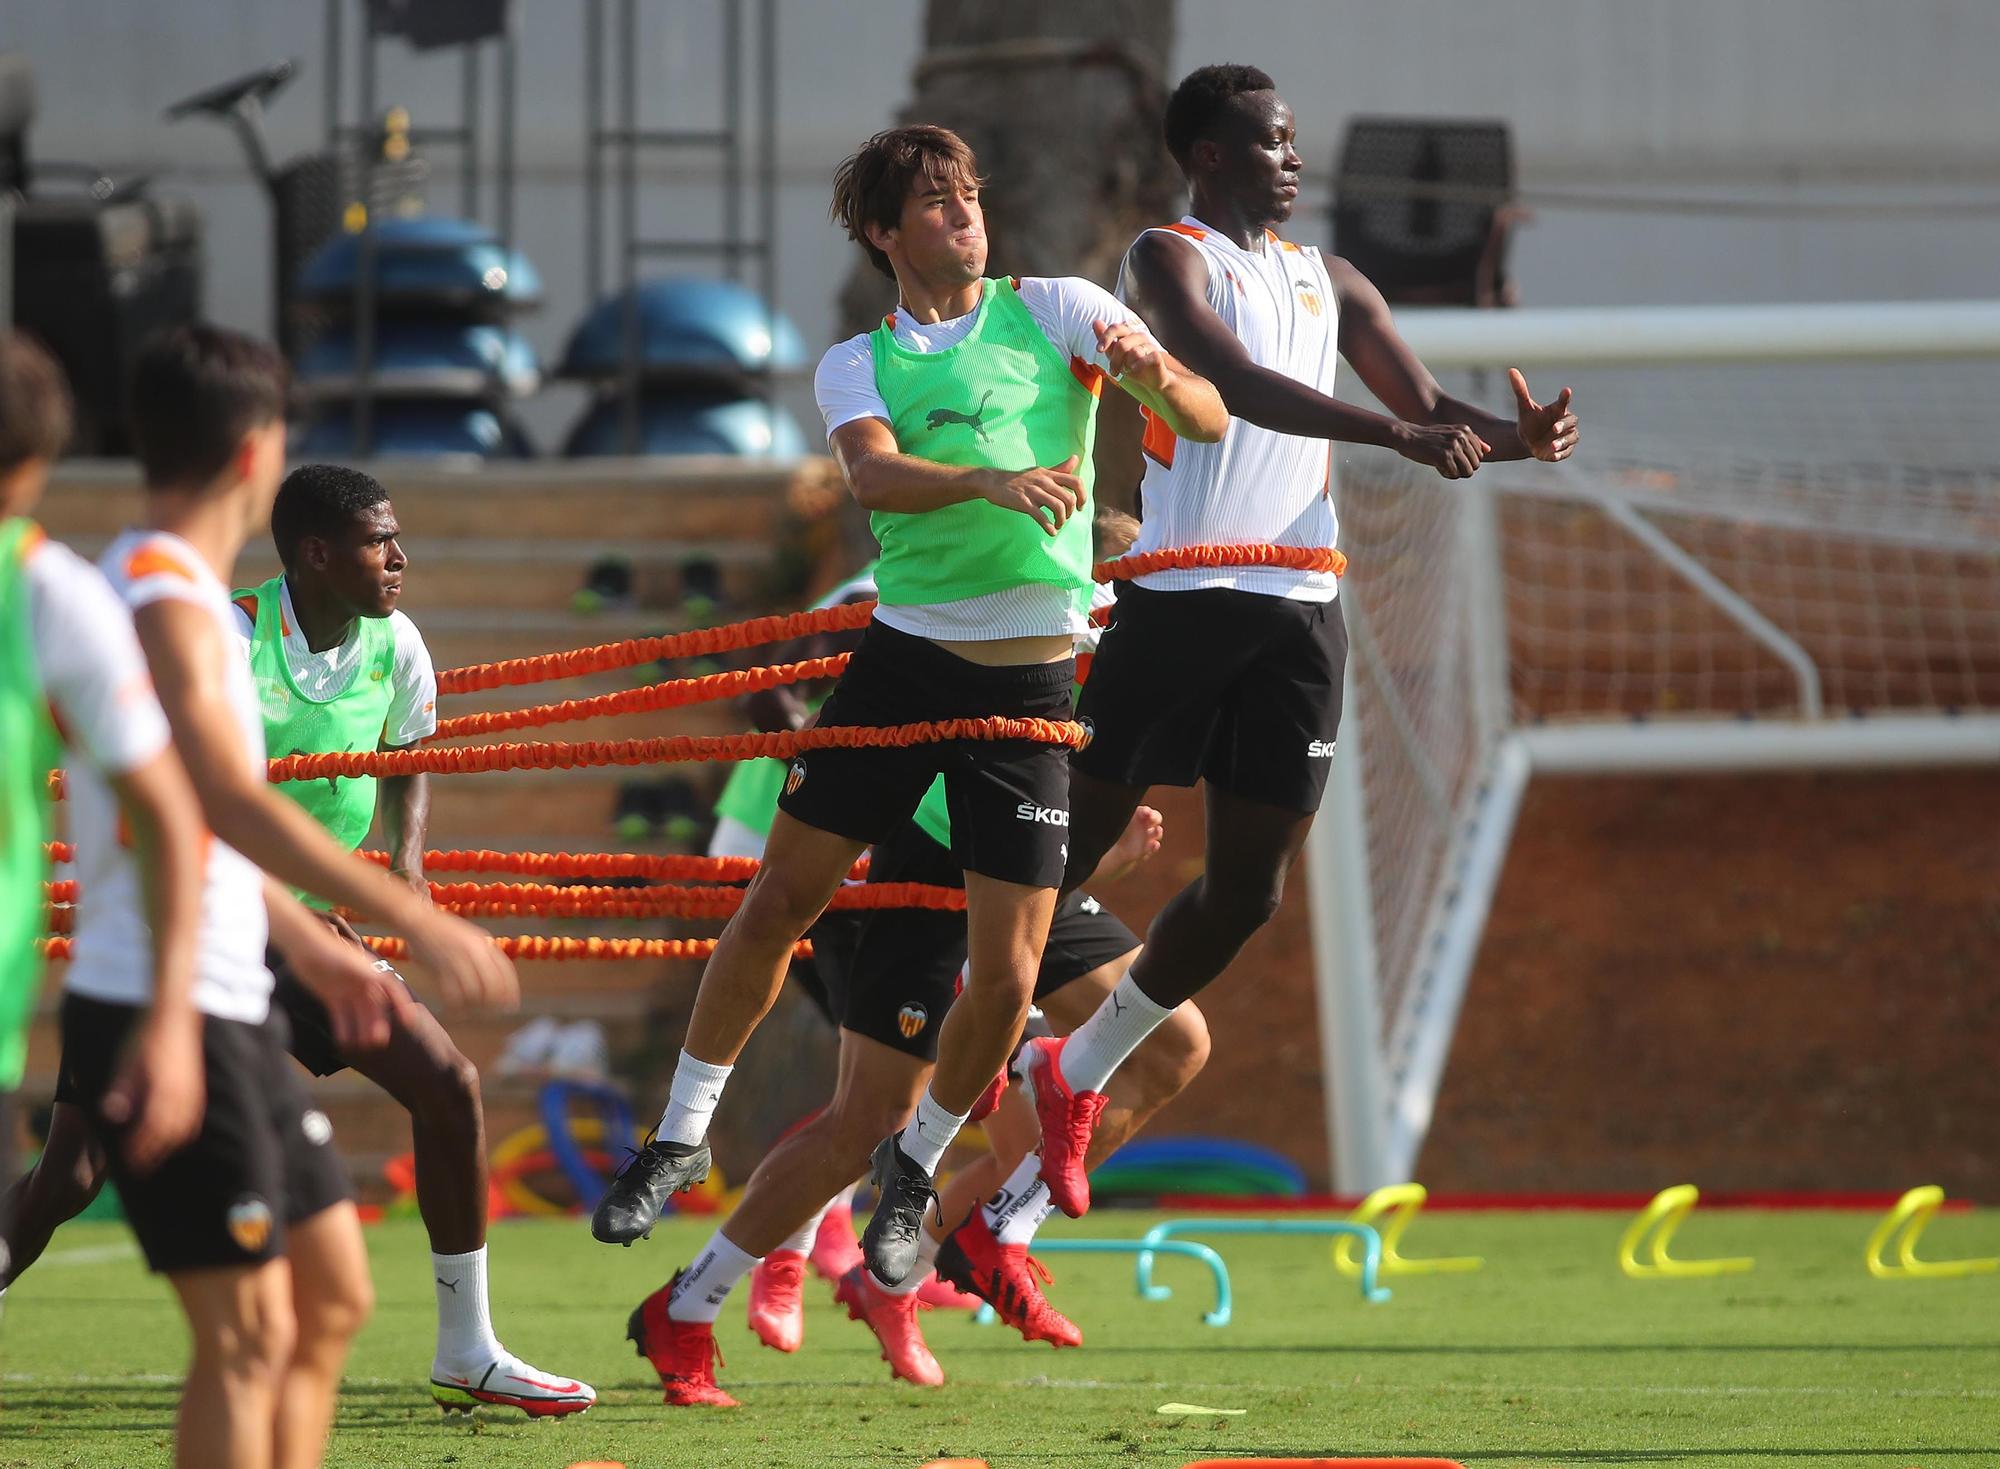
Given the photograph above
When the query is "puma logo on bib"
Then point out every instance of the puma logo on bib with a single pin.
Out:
(937, 418)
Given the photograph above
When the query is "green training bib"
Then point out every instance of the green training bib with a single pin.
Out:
(350, 722)
(28, 751)
(1001, 398)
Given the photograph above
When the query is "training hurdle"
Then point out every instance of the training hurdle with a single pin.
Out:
(1402, 1202)
(1159, 1238)
(1903, 1224)
(1669, 1207)
(1218, 1271)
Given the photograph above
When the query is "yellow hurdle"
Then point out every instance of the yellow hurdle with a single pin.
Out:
(1669, 1207)
(1903, 1224)
(1405, 1199)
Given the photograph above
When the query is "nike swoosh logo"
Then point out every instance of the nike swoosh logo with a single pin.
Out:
(461, 1381)
(561, 1387)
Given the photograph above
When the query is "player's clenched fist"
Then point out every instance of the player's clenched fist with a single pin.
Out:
(1050, 495)
(1452, 449)
(1131, 352)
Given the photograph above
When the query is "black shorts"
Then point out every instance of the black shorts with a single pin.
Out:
(1009, 799)
(264, 1157)
(1239, 689)
(896, 976)
(307, 1017)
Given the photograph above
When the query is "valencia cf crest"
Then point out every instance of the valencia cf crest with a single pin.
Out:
(249, 1221)
(1309, 297)
(912, 1019)
(1089, 730)
(796, 776)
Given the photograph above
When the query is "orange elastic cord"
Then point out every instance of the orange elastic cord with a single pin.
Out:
(537, 946)
(670, 695)
(781, 745)
(503, 900)
(668, 867)
(1193, 558)
(62, 920)
(608, 656)
(60, 851)
(58, 787)
(60, 892)
(54, 950)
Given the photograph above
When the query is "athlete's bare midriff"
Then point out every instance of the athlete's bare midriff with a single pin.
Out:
(1001, 652)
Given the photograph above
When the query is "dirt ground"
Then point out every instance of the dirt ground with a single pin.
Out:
(1768, 982)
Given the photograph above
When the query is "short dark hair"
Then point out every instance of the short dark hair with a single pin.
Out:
(35, 410)
(870, 187)
(1200, 99)
(196, 391)
(319, 500)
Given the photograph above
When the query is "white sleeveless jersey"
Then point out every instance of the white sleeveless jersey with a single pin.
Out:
(113, 955)
(1256, 486)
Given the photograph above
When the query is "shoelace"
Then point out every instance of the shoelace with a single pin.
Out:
(1081, 1120)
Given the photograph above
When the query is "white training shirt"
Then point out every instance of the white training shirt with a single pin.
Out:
(1065, 308)
(325, 676)
(112, 959)
(1256, 486)
(88, 663)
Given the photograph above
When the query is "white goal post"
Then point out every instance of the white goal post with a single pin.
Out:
(1778, 546)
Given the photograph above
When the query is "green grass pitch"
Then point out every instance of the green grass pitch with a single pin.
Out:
(1546, 1357)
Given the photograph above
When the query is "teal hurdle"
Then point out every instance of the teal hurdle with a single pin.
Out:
(1223, 1299)
(1159, 1238)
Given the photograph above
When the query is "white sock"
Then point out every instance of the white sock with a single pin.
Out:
(844, 1199)
(930, 1132)
(1021, 1205)
(706, 1284)
(697, 1088)
(1100, 1045)
(927, 1251)
(800, 1240)
(465, 1322)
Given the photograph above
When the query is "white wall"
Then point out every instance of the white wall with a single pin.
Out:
(1765, 98)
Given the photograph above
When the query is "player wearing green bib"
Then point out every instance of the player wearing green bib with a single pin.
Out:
(72, 675)
(971, 451)
(337, 668)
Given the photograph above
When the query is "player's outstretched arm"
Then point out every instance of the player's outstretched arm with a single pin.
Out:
(1187, 402)
(159, 1087)
(1383, 360)
(188, 661)
(1168, 286)
(882, 477)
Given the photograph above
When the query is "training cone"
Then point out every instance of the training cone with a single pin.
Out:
(1902, 1225)
(1401, 1201)
(1660, 1219)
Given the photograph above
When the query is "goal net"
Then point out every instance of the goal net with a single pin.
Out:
(1778, 545)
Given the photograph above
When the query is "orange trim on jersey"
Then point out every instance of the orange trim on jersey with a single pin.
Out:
(1014, 281)
(1159, 440)
(1089, 374)
(31, 540)
(890, 321)
(1186, 229)
(247, 605)
(151, 560)
(1281, 244)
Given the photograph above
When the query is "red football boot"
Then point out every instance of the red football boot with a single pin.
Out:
(835, 1250)
(1068, 1118)
(893, 1319)
(777, 1314)
(1005, 1277)
(684, 1353)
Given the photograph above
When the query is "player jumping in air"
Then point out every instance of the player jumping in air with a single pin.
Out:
(983, 514)
(1253, 707)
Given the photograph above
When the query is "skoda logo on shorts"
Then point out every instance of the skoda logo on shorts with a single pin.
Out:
(796, 776)
(318, 1131)
(249, 1221)
(912, 1019)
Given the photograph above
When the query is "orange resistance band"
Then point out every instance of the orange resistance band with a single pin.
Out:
(655, 867)
(525, 947)
(781, 745)
(673, 694)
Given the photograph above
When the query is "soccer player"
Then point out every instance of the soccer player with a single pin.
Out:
(71, 674)
(252, 1222)
(338, 668)
(964, 423)
(1253, 705)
